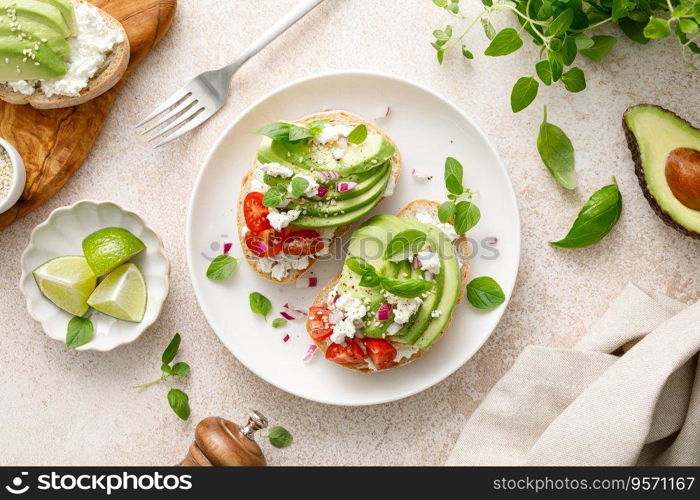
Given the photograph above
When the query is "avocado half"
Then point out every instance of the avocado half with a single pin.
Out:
(666, 152)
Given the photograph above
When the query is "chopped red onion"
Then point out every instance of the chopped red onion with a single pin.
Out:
(286, 338)
(328, 175)
(258, 245)
(322, 191)
(310, 353)
(313, 281)
(384, 311)
(342, 187)
(335, 299)
(227, 248)
(287, 316)
(492, 240)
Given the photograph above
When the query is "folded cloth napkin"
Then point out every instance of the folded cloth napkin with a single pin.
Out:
(627, 394)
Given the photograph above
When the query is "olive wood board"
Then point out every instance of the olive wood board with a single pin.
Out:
(55, 142)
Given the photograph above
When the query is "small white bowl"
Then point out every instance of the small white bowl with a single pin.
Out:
(62, 234)
(19, 177)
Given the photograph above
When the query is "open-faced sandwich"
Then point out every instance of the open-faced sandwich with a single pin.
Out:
(58, 53)
(311, 179)
(395, 296)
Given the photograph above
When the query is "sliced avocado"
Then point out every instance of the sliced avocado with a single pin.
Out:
(666, 152)
(374, 151)
(36, 32)
(335, 207)
(342, 219)
(15, 65)
(36, 10)
(67, 11)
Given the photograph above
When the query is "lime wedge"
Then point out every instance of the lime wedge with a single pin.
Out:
(122, 294)
(67, 282)
(109, 247)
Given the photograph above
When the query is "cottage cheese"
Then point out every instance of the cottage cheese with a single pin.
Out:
(23, 86)
(353, 311)
(429, 261)
(403, 308)
(447, 229)
(332, 133)
(278, 267)
(404, 351)
(89, 51)
(279, 220)
(436, 314)
(274, 169)
(257, 181)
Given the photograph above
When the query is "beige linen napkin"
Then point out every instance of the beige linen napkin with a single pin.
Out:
(627, 394)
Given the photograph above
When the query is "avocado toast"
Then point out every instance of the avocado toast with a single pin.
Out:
(310, 181)
(396, 294)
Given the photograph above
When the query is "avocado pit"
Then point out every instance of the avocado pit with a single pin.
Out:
(683, 176)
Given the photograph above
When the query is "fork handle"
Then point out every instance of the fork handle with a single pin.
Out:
(271, 34)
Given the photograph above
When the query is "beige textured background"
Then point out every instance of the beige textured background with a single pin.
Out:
(63, 407)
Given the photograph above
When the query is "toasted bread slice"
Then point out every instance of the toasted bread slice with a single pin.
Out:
(110, 73)
(333, 117)
(461, 245)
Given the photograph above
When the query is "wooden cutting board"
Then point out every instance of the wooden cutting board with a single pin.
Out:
(54, 143)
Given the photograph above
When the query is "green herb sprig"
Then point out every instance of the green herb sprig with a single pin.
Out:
(462, 213)
(279, 437)
(291, 132)
(222, 267)
(485, 293)
(177, 399)
(406, 288)
(80, 331)
(561, 30)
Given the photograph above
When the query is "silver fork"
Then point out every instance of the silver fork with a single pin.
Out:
(200, 99)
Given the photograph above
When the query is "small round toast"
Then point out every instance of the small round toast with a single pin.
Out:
(462, 246)
(334, 117)
(107, 77)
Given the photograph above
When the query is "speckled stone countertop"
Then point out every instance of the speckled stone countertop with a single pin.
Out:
(62, 407)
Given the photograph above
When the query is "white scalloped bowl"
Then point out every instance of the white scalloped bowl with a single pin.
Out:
(62, 234)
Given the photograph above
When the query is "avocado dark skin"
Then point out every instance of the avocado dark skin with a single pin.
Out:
(680, 170)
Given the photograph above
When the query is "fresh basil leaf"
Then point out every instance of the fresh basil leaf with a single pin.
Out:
(358, 134)
(165, 368)
(561, 24)
(279, 323)
(595, 220)
(297, 133)
(407, 288)
(544, 71)
(505, 42)
(222, 267)
(489, 30)
(180, 369)
(485, 293)
(467, 53)
(574, 80)
(278, 131)
(657, 28)
(180, 403)
(260, 304)
(584, 41)
(171, 350)
(454, 168)
(557, 153)
(299, 186)
(80, 331)
(315, 127)
(524, 92)
(688, 26)
(602, 45)
(446, 211)
(279, 437)
(370, 280)
(275, 196)
(555, 61)
(453, 185)
(569, 51)
(634, 30)
(467, 215)
(405, 245)
(360, 266)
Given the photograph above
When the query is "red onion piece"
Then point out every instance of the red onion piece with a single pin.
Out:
(335, 299)
(258, 245)
(342, 187)
(286, 338)
(227, 248)
(310, 353)
(287, 316)
(313, 281)
(384, 311)
(322, 191)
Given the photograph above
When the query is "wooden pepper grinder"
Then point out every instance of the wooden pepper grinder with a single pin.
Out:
(221, 443)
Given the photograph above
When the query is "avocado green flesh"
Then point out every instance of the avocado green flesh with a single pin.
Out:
(67, 12)
(369, 242)
(35, 32)
(38, 11)
(14, 64)
(657, 132)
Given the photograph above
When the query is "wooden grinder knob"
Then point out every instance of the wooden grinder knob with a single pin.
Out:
(221, 443)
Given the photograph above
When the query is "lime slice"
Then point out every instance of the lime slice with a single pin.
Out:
(122, 294)
(67, 282)
(109, 247)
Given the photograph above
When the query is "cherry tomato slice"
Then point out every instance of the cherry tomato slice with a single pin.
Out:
(266, 243)
(321, 328)
(349, 353)
(303, 242)
(381, 352)
(255, 212)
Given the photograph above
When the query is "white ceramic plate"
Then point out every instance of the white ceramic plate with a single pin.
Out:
(427, 129)
(62, 234)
